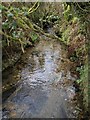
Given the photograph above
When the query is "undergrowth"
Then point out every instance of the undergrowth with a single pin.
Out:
(75, 36)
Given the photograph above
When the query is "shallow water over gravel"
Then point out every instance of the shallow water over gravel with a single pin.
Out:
(43, 84)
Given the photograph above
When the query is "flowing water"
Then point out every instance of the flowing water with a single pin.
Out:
(41, 85)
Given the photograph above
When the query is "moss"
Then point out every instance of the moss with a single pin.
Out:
(75, 20)
(66, 35)
(83, 82)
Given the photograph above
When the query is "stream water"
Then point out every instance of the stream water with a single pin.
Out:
(41, 85)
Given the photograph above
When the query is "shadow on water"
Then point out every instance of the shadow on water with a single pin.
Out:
(7, 93)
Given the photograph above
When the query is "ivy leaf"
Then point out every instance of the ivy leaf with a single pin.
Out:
(5, 25)
(14, 34)
(34, 37)
(14, 25)
(26, 13)
(79, 81)
(10, 15)
(16, 10)
(1, 7)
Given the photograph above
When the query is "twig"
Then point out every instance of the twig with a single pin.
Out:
(81, 8)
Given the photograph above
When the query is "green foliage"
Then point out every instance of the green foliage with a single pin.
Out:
(2, 7)
(74, 57)
(16, 25)
(34, 36)
(66, 35)
(82, 29)
(83, 82)
(52, 18)
(67, 13)
(80, 13)
(75, 20)
(49, 20)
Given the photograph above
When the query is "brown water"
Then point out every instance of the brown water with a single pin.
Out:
(40, 85)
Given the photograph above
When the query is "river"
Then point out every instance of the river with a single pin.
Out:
(41, 84)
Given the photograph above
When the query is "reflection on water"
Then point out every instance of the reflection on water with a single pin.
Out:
(43, 87)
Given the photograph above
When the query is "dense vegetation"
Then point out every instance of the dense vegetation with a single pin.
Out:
(23, 23)
(83, 14)
(78, 15)
(21, 26)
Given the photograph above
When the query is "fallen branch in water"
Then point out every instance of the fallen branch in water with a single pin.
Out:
(37, 28)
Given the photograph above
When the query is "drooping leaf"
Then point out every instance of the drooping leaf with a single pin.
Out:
(5, 25)
(34, 37)
(10, 15)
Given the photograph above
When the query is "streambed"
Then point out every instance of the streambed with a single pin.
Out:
(41, 84)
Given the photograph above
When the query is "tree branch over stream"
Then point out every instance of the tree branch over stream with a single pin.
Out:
(17, 25)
